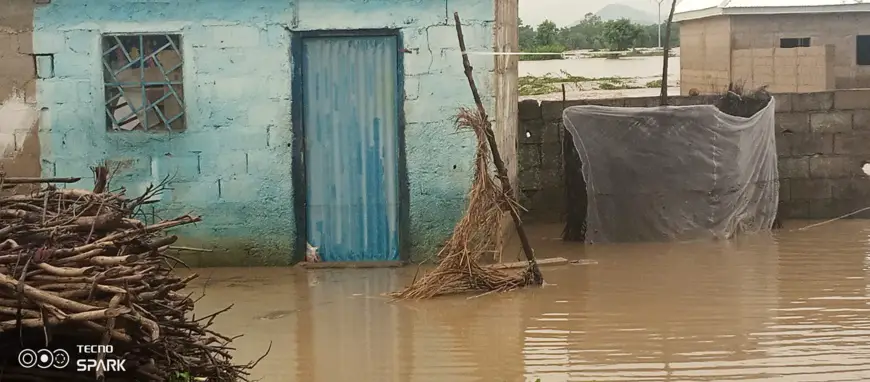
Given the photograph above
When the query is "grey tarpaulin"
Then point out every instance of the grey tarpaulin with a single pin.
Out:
(675, 173)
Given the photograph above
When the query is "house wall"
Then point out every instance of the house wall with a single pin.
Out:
(19, 141)
(232, 164)
(785, 70)
(837, 29)
(823, 140)
(705, 54)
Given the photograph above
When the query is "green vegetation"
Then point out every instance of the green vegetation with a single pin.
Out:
(654, 84)
(549, 83)
(591, 34)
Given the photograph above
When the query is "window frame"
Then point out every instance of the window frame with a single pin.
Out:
(114, 88)
(858, 51)
(794, 42)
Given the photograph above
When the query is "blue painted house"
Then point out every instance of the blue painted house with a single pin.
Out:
(278, 121)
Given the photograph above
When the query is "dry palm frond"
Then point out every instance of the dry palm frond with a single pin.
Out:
(475, 235)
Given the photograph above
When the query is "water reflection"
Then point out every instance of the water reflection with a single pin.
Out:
(786, 307)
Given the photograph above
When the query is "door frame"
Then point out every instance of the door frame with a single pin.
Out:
(299, 167)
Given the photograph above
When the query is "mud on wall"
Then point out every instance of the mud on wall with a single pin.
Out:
(823, 141)
(19, 141)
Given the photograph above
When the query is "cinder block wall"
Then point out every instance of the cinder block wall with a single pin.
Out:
(19, 141)
(798, 70)
(233, 162)
(705, 61)
(837, 29)
(823, 140)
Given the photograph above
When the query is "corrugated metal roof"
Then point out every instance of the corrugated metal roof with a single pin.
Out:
(695, 9)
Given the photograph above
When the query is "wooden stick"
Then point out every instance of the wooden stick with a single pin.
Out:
(663, 101)
(16, 180)
(521, 264)
(502, 175)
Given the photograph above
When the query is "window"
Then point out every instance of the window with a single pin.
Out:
(803, 42)
(862, 50)
(143, 80)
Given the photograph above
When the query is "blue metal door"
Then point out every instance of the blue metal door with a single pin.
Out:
(350, 116)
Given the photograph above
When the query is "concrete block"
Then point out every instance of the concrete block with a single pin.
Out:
(551, 157)
(783, 144)
(530, 180)
(641, 102)
(861, 119)
(612, 102)
(831, 122)
(529, 109)
(182, 166)
(833, 166)
(551, 178)
(794, 168)
(854, 143)
(802, 144)
(234, 36)
(852, 99)
(810, 189)
(48, 42)
(552, 132)
(851, 188)
(25, 42)
(73, 66)
(784, 190)
(531, 131)
(793, 122)
(823, 209)
(820, 101)
(269, 112)
(794, 209)
(552, 110)
(528, 157)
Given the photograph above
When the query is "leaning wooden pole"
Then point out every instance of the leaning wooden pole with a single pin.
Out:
(667, 55)
(496, 157)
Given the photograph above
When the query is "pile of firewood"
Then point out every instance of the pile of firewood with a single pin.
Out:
(77, 269)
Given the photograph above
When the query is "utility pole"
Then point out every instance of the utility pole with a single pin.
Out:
(659, 25)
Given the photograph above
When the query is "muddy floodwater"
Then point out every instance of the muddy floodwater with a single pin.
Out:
(786, 307)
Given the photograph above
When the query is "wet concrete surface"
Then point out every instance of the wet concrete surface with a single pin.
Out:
(786, 307)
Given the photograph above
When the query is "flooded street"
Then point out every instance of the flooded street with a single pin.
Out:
(787, 307)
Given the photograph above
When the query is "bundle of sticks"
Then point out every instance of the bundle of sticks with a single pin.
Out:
(77, 269)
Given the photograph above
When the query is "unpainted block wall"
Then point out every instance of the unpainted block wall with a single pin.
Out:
(233, 162)
(705, 59)
(19, 141)
(837, 29)
(796, 70)
(823, 141)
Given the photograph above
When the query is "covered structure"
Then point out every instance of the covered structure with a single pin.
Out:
(789, 45)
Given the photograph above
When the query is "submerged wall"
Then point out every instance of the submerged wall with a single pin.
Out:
(232, 163)
(823, 142)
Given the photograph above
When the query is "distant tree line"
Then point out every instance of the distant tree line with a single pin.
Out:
(591, 33)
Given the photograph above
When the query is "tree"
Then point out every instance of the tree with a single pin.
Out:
(621, 34)
(526, 36)
(546, 34)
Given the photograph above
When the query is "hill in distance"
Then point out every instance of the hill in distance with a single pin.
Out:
(622, 11)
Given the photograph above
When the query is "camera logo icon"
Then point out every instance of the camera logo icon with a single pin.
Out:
(43, 358)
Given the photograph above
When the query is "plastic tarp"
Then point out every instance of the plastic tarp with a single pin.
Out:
(675, 173)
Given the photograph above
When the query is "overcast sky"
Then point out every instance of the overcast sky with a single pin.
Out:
(564, 12)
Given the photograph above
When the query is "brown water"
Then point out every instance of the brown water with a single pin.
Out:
(789, 307)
